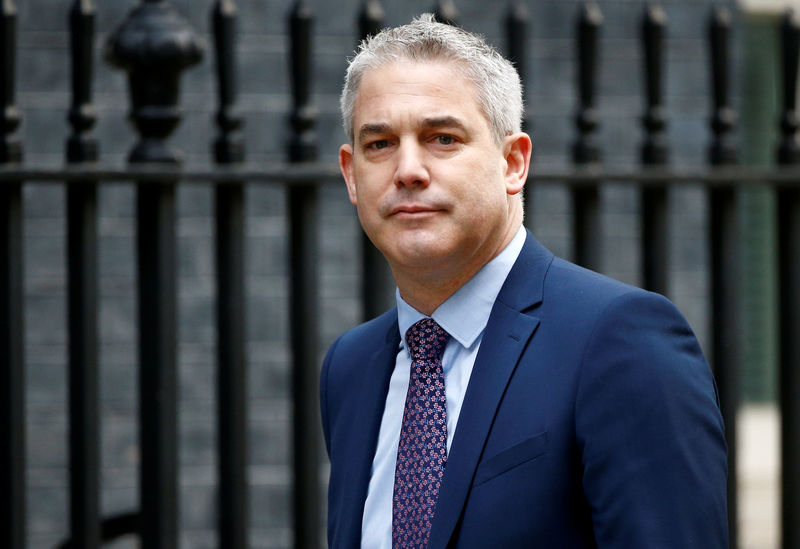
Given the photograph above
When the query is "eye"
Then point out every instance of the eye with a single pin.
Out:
(445, 139)
(379, 144)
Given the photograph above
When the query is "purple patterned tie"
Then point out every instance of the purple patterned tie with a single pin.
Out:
(422, 452)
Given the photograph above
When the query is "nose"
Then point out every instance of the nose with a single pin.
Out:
(411, 167)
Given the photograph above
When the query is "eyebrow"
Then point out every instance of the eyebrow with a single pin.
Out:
(443, 122)
(372, 129)
(378, 128)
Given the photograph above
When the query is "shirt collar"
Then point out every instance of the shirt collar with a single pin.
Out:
(476, 296)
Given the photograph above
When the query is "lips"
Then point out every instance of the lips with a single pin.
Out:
(413, 210)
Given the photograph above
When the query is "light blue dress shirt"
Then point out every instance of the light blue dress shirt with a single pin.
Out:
(464, 316)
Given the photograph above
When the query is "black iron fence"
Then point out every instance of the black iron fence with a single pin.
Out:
(154, 46)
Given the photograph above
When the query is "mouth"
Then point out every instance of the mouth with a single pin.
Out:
(414, 211)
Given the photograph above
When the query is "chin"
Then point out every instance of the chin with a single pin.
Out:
(420, 254)
(420, 247)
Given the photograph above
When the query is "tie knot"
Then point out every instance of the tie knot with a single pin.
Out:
(426, 340)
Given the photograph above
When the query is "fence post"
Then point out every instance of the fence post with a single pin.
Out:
(154, 45)
(377, 282)
(84, 420)
(655, 152)
(231, 311)
(516, 23)
(586, 224)
(789, 289)
(724, 253)
(12, 363)
(517, 19)
(789, 284)
(304, 305)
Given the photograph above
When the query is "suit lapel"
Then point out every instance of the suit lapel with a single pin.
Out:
(363, 435)
(500, 351)
(507, 334)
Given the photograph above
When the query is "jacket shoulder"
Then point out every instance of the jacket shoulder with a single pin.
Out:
(366, 337)
(344, 361)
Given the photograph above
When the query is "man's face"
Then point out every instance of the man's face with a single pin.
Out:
(432, 187)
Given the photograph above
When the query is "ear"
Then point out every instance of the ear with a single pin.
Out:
(346, 167)
(517, 150)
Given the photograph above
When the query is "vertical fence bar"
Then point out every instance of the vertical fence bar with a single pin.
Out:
(517, 19)
(377, 281)
(12, 366)
(517, 22)
(154, 46)
(231, 310)
(304, 295)
(12, 382)
(84, 421)
(155, 214)
(789, 280)
(445, 11)
(655, 152)
(788, 277)
(586, 225)
(724, 253)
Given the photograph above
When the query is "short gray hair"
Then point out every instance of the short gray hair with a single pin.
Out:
(497, 84)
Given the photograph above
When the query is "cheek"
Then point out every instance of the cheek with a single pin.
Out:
(368, 198)
(370, 182)
(483, 188)
(360, 190)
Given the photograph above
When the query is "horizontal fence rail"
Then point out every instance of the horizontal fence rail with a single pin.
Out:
(319, 172)
(153, 61)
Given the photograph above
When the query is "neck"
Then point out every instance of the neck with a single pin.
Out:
(425, 295)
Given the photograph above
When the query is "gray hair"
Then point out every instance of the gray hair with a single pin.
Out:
(497, 85)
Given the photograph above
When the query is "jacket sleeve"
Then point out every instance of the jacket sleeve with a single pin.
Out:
(650, 432)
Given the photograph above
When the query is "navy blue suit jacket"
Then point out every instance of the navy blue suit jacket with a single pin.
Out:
(590, 420)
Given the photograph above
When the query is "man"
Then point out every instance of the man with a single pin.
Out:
(512, 399)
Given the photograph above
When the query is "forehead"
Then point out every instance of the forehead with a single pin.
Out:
(415, 89)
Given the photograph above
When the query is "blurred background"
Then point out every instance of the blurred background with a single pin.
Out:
(264, 101)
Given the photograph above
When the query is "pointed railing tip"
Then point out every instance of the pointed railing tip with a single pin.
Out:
(789, 147)
(585, 149)
(655, 14)
(225, 7)
(590, 12)
(85, 6)
(723, 149)
(372, 10)
(301, 10)
(370, 19)
(518, 10)
(9, 8)
(721, 16)
(302, 143)
(10, 116)
(229, 146)
(445, 11)
(790, 17)
(81, 115)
